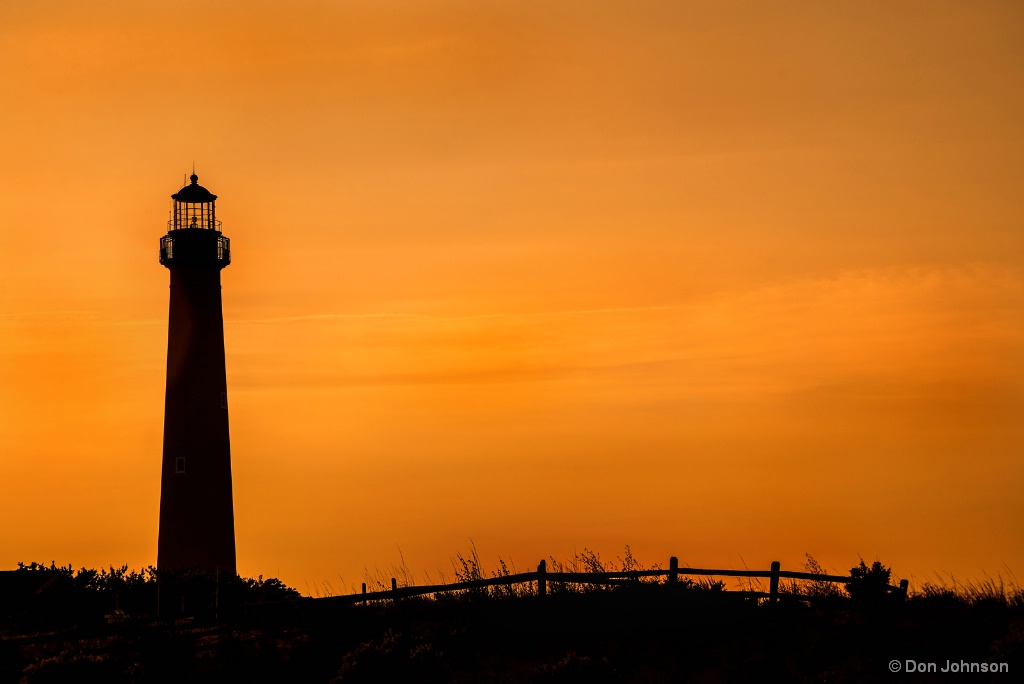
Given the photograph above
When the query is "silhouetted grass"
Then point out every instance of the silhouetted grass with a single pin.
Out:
(988, 590)
(635, 631)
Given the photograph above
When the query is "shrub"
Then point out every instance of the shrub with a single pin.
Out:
(869, 584)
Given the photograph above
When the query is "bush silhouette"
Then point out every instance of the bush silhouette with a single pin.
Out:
(869, 584)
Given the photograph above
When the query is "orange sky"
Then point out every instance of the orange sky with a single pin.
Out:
(733, 281)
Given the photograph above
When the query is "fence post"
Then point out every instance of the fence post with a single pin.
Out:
(542, 584)
(904, 585)
(394, 584)
(673, 569)
(773, 587)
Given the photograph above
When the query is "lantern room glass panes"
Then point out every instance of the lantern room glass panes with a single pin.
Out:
(194, 215)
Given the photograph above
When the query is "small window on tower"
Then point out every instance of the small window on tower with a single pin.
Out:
(179, 464)
(223, 400)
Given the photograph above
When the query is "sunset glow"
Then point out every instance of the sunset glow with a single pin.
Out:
(732, 281)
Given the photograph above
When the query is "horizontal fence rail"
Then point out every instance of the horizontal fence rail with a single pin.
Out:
(541, 579)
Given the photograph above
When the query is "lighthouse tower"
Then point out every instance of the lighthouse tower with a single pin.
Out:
(197, 522)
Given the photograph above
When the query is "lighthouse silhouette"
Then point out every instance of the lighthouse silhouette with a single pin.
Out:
(197, 521)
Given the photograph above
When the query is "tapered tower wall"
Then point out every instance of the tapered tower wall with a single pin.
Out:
(196, 510)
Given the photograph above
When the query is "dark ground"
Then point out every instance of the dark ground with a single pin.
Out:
(647, 633)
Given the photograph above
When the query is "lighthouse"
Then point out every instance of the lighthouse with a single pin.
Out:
(197, 522)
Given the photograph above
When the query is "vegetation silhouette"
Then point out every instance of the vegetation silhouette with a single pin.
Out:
(60, 595)
(104, 627)
(869, 584)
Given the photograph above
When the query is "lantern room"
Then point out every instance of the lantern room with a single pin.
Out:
(193, 207)
(193, 237)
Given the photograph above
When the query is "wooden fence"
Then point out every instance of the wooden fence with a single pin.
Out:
(541, 579)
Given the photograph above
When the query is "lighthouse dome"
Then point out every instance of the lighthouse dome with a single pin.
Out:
(193, 193)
